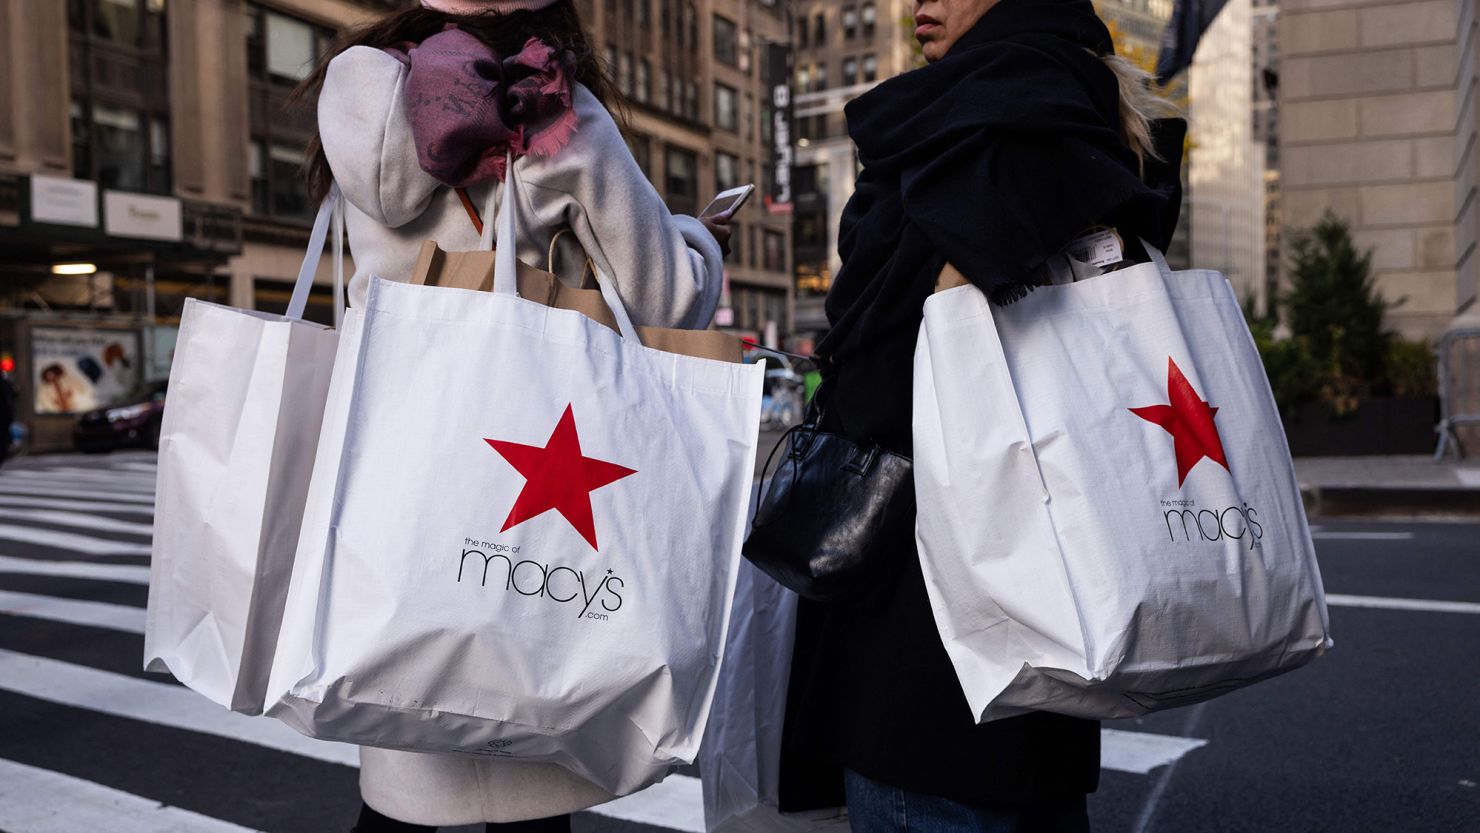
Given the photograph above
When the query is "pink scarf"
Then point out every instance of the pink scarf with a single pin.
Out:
(468, 107)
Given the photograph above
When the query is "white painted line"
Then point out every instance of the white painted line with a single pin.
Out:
(158, 703)
(1469, 478)
(101, 471)
(677, 804)
(1361, 536)
(64, 504)
(1384, 603)
(84, 544)
(73, 611)
(79, 520)
(137, 478)
(1141, 752)
(121, 484)
(135, 466)
(22, 490)
(75, 569)
(40, 801)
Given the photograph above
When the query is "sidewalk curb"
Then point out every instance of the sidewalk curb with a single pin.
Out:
(1369, 502)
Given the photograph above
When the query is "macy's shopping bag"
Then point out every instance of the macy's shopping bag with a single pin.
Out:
(246, 396)
(1109, 519)
(523, 539)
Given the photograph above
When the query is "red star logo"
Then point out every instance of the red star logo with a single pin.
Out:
(558, 477)
(1190, 422)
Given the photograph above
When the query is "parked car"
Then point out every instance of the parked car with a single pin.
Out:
(130, 422)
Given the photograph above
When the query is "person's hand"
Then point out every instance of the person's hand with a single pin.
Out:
(719, 226)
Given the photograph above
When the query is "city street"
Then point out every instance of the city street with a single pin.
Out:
(1383, 734)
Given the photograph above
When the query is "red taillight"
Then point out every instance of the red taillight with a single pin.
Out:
(7, 363)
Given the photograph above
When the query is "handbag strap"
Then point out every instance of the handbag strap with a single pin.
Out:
(467, 204)
(331, 212)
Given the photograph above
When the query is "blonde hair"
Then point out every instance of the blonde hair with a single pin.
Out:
(1139, 106)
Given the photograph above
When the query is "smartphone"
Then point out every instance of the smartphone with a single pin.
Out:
(728, 202)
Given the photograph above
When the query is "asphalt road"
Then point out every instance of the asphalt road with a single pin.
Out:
(1383, 734)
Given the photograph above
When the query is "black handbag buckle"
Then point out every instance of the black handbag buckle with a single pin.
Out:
(861, 462)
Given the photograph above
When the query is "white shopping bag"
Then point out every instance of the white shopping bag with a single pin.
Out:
(740, 760)
(527, 545)
(1109, 519)
(247, 391)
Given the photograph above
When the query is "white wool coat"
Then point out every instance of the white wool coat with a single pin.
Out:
(667, 269)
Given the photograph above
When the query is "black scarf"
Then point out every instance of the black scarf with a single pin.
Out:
(993, 158)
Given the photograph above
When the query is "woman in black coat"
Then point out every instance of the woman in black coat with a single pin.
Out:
(1022, 132)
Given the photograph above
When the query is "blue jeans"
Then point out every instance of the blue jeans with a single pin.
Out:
(878, 808)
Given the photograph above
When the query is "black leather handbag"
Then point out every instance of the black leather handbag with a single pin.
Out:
(831, 510)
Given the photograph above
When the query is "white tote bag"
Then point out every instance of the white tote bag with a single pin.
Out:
(529, 540)
(1109, 521)
(247, 392)
(740, 760)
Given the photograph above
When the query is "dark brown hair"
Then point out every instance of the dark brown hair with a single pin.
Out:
(559, 25)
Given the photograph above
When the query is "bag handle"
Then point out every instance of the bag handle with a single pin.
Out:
(588, 269)
(330, 210)
(506, 259)
(1156, 257)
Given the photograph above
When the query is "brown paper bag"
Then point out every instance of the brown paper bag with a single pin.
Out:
(474, 270)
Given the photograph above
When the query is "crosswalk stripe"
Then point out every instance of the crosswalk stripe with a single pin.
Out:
(157, 703)
(79, 473)
(75, 569)
(73, 611)
(1123, 751)
(98, 472)
(85, 544)
(63, 504)
(1384, 603)
(136, 466)
(1141, 752)
(36, 800)
(22, 490)
(79, 520)
(42, 479)
(676, 804)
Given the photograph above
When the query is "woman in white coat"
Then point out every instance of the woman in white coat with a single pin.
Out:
(419, 107)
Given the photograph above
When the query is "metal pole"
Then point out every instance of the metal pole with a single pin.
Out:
(149, 293)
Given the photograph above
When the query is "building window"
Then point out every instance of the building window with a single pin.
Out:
(820, 29)
(278, 187)
(820, 80)
(665, 91)
(692, 104)
(644, 12)
(624, 73)
(642, 151)
(291, 52)
(869, 17)
(726, 171)
(802, 32)
(644, 81)
(681, 180)
(120, 121)
(666, 15)
(804, 79)
(726, 108)
(726, 41)
(691, 22)
(870, 68)
(775, 251)
(850, 71)
(850, 21)
(747, 115)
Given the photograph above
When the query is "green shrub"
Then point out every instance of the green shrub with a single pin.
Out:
(1411, 368)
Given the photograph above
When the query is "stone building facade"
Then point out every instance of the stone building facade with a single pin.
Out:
(1379, 124)
(153, 145)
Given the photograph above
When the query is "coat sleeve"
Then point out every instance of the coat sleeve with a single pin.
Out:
(668, 269)
(367, 137)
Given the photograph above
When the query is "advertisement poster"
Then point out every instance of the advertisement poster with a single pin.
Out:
(78, 370)
(160, 352)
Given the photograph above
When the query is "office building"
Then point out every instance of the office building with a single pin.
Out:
(149, 153)
(1380, 125)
